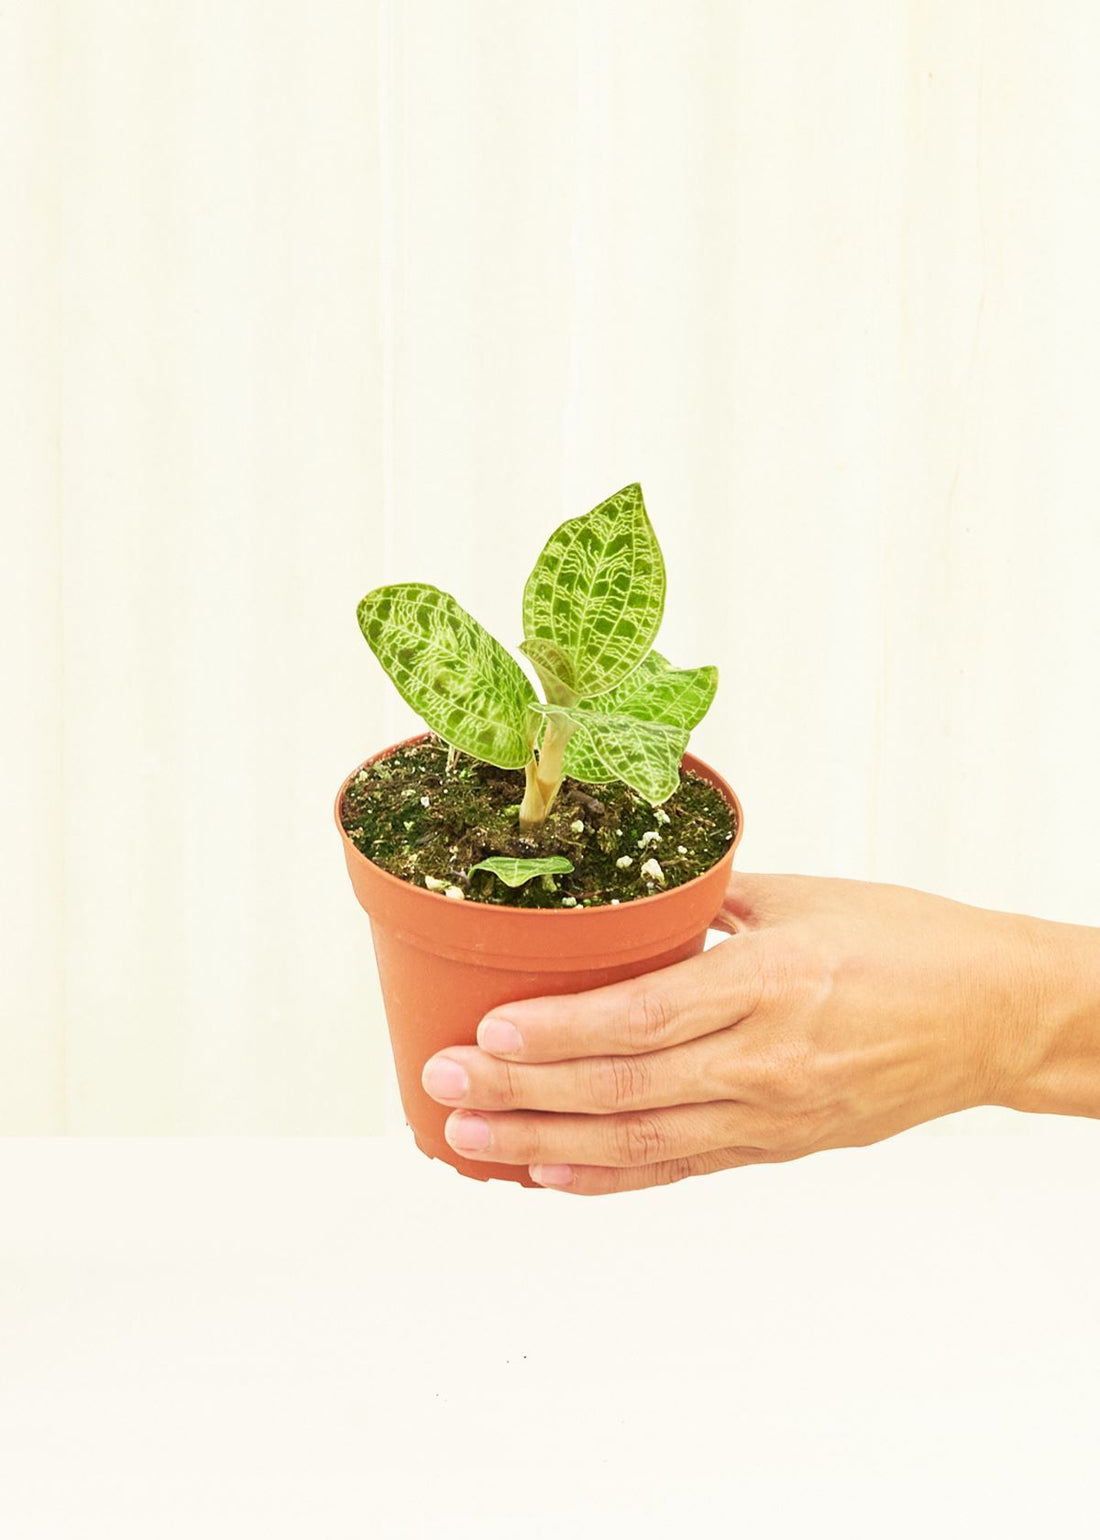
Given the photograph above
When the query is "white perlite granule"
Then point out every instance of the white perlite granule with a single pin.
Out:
(454, 893)
(577, 826)
(682, 850)
(437, 884)
(568, 902)
(625, 861)
(425, 802)
(652, 870)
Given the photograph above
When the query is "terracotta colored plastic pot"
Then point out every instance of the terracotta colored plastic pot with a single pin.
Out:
(443, 964)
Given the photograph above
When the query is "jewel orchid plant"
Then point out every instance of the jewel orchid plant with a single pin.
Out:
(615, 710)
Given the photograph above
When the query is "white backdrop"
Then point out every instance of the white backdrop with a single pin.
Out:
(299, 298)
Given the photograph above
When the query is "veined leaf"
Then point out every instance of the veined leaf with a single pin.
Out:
(654, 692)
(658, 692)
(596, 596)
(515, 872)
(451, 672)
(554, 669)
(644, 755)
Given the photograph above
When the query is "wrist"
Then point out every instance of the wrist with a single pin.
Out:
(1056, 1058)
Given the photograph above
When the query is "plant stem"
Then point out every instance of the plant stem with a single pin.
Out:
(544, 777)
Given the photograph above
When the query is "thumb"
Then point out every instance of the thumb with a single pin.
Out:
(757, 899)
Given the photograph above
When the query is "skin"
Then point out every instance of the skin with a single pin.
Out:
(836, 1014)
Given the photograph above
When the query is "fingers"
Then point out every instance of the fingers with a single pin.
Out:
(656, 1010)
(596, 1181)
(619, 1139)
(703, 1070)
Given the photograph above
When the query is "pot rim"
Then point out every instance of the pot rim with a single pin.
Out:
(399, 884)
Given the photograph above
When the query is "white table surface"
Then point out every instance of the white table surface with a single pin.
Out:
(341, 1338)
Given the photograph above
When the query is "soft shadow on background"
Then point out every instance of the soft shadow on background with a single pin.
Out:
(321, 296)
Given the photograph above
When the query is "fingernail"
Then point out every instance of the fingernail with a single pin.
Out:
(552, 1176)
(467, 1132)
(445, 1078)
(499, 1036)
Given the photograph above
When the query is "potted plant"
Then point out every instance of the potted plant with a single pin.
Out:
(528, 846)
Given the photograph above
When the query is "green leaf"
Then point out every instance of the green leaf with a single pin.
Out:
(451, 672)
(554, 670)
(644, 755)
(595, 598)
(516, 872)
(654, 692)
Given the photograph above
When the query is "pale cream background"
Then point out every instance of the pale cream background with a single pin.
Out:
(265, 1339)
(300, 297)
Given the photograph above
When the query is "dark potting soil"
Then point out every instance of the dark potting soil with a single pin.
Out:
(420, 821)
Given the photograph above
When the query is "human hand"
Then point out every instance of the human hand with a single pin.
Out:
(837, 1014)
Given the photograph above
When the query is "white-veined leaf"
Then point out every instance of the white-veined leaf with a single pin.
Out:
(451, 672)
(516, 871)
(596, 596)
(554, 670)
(654, 692)
(643, 755)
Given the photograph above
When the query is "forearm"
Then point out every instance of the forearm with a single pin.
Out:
(1059, 1068)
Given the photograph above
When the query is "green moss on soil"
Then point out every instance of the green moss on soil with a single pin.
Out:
(408, 814)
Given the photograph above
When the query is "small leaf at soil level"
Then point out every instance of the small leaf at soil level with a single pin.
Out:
(595, 598)
(451, 672)
(515, 872)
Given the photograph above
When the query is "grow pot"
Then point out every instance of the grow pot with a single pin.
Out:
(445, 964)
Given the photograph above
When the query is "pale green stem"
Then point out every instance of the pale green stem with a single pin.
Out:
(544, 778)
